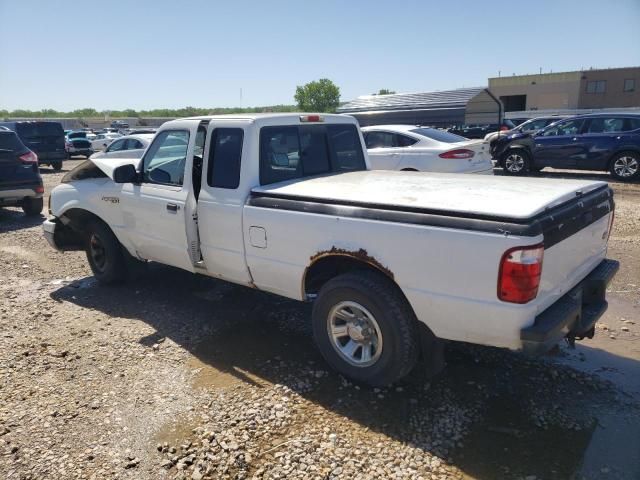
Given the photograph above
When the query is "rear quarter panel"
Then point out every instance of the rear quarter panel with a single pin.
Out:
(448, 276)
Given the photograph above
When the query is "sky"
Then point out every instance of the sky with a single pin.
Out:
(148, 54)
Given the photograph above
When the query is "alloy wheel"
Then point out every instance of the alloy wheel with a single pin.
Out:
(354, 334)
(626, 166)
(514, 163)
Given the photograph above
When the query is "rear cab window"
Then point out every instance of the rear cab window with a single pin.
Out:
(288, 152)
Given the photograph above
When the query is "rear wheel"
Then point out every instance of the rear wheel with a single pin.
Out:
(365, 329)
(32, 206)
(516, 162)
(625, 166)
(105, 255)
(57, 166)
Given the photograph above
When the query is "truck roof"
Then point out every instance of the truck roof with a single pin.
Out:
(264, 116)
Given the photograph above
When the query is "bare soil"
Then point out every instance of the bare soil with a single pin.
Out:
(179, 376)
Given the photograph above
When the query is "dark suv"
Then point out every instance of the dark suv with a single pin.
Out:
(603, 141)
(20, 180)
(46, 139)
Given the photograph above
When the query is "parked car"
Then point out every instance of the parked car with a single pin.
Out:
(20, 180)
(393, 262)
(45, 139)
(119, 124)
(130, 146)
(103, 140)
(604, 141)
(407, 147)
(77, 144)
(530, 126)
(479, 131)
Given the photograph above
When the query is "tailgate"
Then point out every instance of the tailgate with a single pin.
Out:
(575, 239)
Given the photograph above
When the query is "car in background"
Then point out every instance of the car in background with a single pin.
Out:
(530, 126)
(20, 180)
(130, 146)
(45, 139)
(479, 131)
(77, 143)
(119, 124)
(411, 148)
(603, 141)
(103, 140)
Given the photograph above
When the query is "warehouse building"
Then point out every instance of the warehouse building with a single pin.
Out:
(612, 88)
(443, 108)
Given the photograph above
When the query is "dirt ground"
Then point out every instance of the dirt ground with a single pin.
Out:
(181, 376)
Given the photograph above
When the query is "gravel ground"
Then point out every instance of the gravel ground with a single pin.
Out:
(179, 376)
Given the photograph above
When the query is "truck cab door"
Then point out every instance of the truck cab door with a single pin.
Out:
(156, 212)
(224, 189)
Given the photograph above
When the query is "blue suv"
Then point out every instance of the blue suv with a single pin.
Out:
(603, 141)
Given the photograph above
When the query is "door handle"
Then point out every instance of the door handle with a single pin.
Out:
(172, 207)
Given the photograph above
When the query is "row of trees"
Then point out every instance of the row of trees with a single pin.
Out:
(129, 112)
(318, 96)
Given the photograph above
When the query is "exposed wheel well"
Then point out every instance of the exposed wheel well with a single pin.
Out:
(330, 266)
(74, 222)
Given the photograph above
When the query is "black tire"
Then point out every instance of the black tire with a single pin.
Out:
(625, 166)
(57, 166)
(105, 254)
(396, 322)
(32, 207)
(516, 162)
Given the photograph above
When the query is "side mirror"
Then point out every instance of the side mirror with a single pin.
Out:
(125, 174)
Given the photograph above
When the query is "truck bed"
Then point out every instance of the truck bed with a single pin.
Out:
(504, 198)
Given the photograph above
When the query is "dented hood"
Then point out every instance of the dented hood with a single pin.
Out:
(108, 165)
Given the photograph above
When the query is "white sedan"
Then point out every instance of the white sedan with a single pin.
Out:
(407, 147)
(130, 146)
(103, 140)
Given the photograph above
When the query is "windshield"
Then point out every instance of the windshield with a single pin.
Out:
(439, 135)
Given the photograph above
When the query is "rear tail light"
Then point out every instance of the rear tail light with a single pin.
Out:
(29, 158)
(520, 272)
(504, 128)
(459, 153)
(311, 118)
(39, 189)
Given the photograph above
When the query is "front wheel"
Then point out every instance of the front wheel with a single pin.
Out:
(57, 166)
(365, 329)
(105, 255)
(626, 166)
(32, 206)
(516, 162)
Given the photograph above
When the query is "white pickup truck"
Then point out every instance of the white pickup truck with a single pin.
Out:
(394, 262)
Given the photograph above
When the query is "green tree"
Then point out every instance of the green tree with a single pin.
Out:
(385, 91)
(318, 96)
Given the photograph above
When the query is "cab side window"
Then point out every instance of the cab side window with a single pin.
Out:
(225, 155)
(165, 159)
